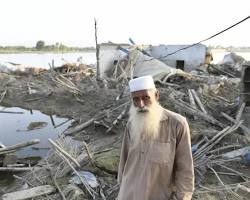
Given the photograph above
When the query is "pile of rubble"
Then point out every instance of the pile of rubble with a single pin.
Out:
(218, 118)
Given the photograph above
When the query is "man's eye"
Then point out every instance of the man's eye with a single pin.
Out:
(146, 98)
(135, 99)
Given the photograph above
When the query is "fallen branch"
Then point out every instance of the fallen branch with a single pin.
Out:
(64, 152)
(15, 169)
(232, 192)
(18, 146)
(79, 127)
(101, 123)
(233, 170)
(89, 122)
(188, 109)
(88, 152)
(244, 128)
(88, 188)
(29, 193)
(198, 101)
(34, 99)
(215, 140)
(117, 119)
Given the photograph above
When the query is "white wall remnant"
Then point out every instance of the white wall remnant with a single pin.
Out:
(193, 57)
(108, 55)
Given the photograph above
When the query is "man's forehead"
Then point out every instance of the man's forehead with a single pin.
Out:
(141, 93)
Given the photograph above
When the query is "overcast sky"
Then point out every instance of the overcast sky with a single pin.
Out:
(24, 22)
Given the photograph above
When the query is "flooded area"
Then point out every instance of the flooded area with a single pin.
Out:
(42, 60)
(19, 125)
(208, 98)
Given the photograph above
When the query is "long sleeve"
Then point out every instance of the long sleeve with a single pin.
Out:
(123, 155)
(184, 169)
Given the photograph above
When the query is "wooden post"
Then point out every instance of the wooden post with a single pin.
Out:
(97, 53)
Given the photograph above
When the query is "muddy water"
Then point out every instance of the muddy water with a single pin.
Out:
(18, 125)
(42, 59)
(25, 125)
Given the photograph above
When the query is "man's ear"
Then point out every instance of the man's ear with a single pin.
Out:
(157, 95)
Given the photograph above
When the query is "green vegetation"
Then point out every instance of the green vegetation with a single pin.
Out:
(42, 47)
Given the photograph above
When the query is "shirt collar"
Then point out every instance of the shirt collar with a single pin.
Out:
(164, 115)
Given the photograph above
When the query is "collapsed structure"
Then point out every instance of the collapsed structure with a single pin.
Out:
(209, 96)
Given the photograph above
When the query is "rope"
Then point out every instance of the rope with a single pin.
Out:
(206, 38)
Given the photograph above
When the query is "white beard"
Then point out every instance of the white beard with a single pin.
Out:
(145, 123)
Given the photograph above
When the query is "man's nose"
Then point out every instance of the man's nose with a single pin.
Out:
(141, 104)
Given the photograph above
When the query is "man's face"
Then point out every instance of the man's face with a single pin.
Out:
(144, 98)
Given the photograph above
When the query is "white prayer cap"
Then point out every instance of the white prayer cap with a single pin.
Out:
(141, 83)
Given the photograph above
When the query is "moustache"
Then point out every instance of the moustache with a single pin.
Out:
(142, 110)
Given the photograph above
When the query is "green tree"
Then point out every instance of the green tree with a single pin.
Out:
(40, 44)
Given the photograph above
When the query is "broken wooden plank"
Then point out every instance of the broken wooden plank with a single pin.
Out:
(29, 193)
(18, 146)
(243, 127)
(80, 127)
(198, 101)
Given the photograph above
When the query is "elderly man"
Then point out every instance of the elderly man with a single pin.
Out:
(156, 159)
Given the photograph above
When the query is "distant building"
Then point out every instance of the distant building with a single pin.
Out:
(186, 59)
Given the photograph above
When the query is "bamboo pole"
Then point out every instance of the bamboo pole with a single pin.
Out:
(18, 146)
(64, 152)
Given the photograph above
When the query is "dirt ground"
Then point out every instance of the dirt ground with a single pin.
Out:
(80, 97)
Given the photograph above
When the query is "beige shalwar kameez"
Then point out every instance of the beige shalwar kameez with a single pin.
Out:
(152, 171)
